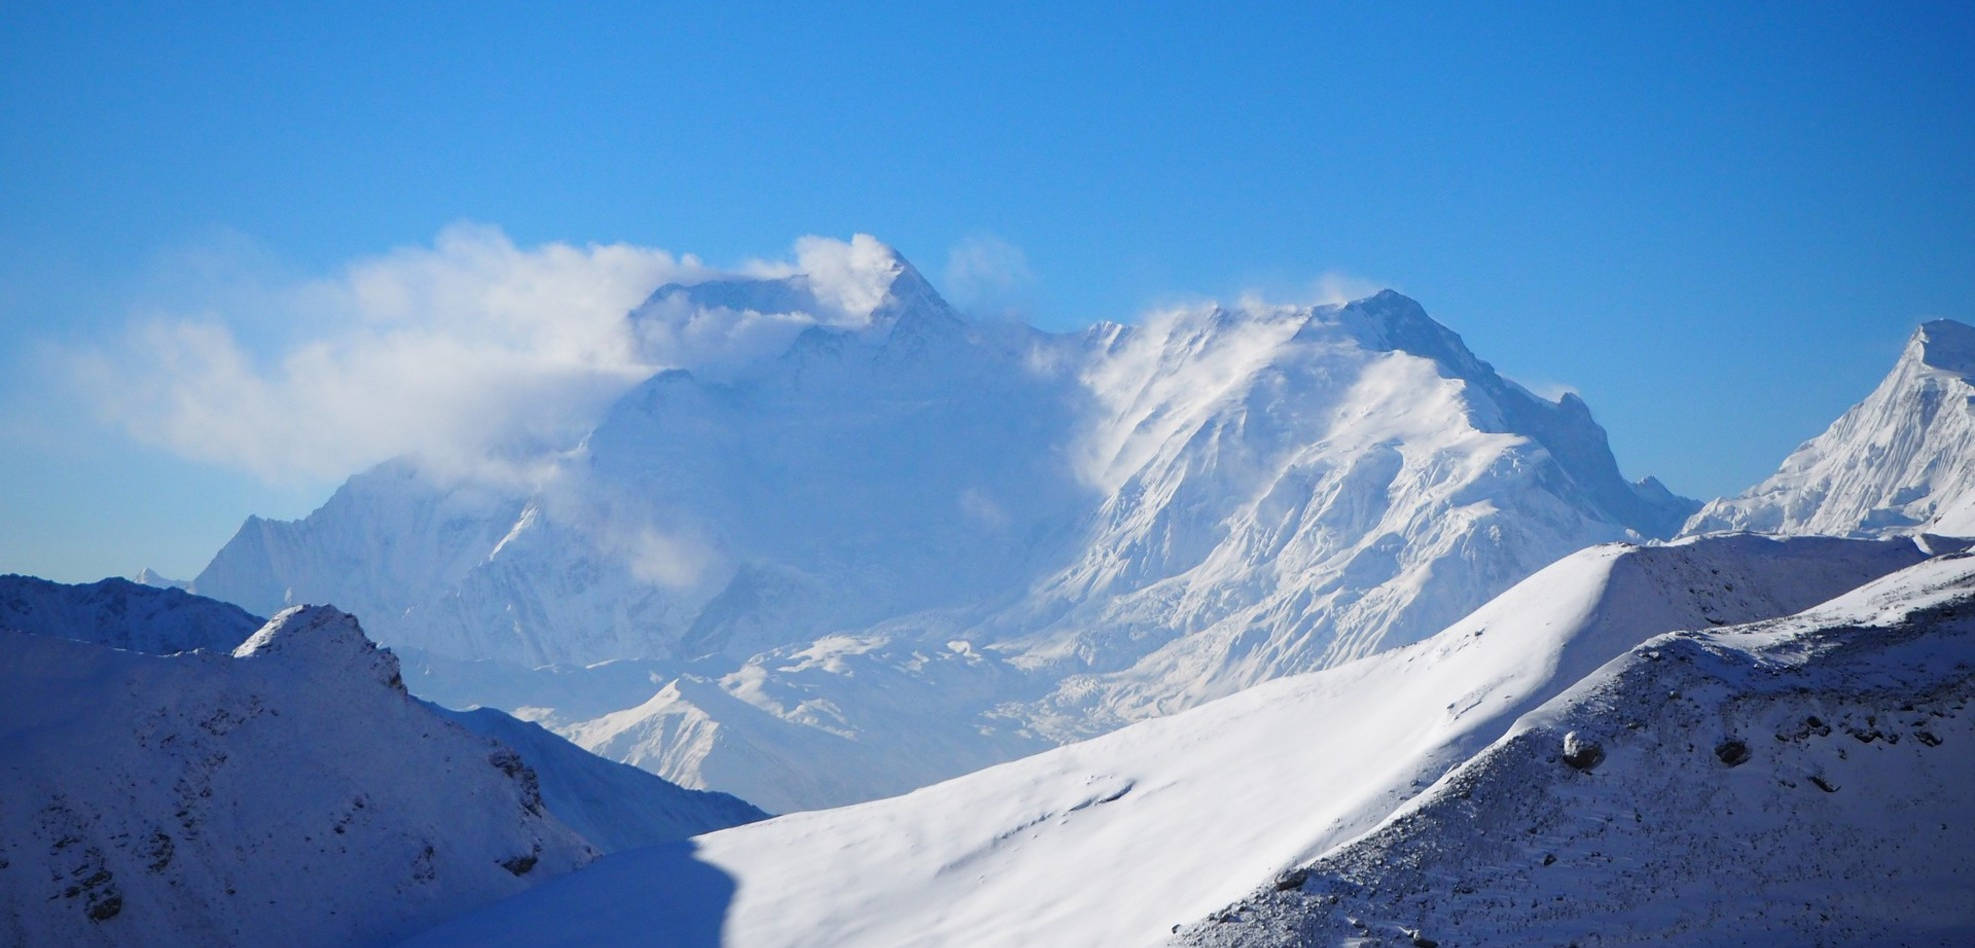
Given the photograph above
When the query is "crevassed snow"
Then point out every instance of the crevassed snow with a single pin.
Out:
(1115, 524)
(1116, 840)
(1798, 781)
(1901, 461)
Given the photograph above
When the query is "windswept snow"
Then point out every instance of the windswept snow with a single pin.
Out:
(1118, 839)
(1797, 781)
(1113, 525)
(1902, 461)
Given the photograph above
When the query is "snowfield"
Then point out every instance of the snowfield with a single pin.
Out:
(1119, 839)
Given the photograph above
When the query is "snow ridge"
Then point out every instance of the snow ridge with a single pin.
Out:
(1793, 780)
(122, 614)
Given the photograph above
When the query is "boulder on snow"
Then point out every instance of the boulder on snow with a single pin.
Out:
(1581, 752)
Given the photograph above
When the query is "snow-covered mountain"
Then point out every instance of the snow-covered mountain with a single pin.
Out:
(1119, 839)
(864, 520)
(288, 792)
(276, 784)
(1901, 461)
(1796, 781)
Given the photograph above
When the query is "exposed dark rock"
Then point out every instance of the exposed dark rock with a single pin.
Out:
(1732, 752)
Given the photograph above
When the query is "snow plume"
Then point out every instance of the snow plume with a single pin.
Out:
(467, 349)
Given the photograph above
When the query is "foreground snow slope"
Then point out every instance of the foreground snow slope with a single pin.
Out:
(1798, 781)
(1117, 839)
(289, 792)
(1901, 461)
(948, 543)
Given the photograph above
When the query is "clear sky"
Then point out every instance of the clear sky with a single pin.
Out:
(1717, 222)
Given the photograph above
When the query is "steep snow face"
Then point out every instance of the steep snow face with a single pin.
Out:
(122, 614)
(290, 792)
(1902, 461)
(1035, 537)
(1118, 839)
(1800, 781)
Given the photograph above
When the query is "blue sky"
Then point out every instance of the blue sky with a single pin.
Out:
(1716, 224)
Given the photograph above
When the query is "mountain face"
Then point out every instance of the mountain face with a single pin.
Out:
(1026, 537)
(1902, 461)
(1117, 840)
(277, 783)
(1794, 781)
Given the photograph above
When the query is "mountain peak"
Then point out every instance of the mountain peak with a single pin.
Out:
(310, 638)
(1944, 344)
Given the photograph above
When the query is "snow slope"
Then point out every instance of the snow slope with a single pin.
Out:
(122, 614)
(1796, 781)
(1901, 461)
(288, 792)
(1026, 537)
(1116, 840)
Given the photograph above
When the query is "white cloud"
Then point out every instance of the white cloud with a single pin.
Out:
(453, 353)
(469, 355)
(988, 276)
